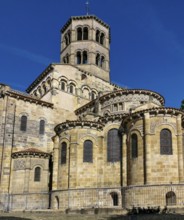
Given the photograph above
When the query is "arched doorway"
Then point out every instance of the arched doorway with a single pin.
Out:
(170, 198)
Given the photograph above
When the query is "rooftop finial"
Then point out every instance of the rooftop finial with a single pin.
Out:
(87, 7)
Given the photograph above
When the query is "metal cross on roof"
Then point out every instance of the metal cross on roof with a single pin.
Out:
(87, 7)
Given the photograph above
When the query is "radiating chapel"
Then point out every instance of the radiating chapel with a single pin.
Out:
(75, 141)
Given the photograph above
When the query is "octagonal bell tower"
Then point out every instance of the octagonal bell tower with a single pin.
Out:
(85, 43)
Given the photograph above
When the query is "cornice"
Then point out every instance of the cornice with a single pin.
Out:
(40, 78)
(120, 92)
(73, 124)
(28, 98)
(84, 17)
(133, 91)
(30, 152)
(153, 111)
(112, 118)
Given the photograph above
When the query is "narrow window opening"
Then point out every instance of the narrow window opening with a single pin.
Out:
(102, 39)
(134, 142)
(102, 61)
(88, 151)
(113, 146)
(98, 59)
(42, 127)
(63, 87)
(69, 37)
(78, 57)
(37, 174)
(66, 40)
(93, 95)
(23, 124)
(85, 57)
(44, 88)
(71, 88)
(63, 152)
(97, 35)
(79, 34)
(85, 36)
(165, 142)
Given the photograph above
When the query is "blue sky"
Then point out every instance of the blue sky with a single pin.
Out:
(147, 46)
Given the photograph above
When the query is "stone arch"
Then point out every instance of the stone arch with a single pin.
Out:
(72, 87)
(44, 87)
(93, 139)
(155, 127)
(173, 131)
(102, 38)
(138, 130)
(63, 83)
(85, 33)
(114, 197)
(170, 198)
(86, 91)
(78, 57)
(49, 82)
(79, 33)
(97, 35)
(67, 141)
(106, 113)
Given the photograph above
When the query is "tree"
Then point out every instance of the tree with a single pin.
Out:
(182, 105)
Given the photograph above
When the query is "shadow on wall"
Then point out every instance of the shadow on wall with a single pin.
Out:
(148, 217)
(13, 218)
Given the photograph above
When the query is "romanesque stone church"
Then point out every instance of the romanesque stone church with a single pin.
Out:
(74, 140)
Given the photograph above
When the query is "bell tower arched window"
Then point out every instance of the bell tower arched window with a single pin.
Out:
(93, 95)
(102, 61)
(113, 146)
(98, 36)
(69, 37)
(85, 33)
(134, 145)
(97, 59)
(63, 85)
(85, 57)
(66, 40)
(165, 142)
(102, 38)
(72, 88)
(79, 33)
(79, 58)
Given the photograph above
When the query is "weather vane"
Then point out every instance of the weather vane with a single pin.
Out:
(87, 7)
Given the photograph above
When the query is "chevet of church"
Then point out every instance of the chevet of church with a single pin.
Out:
(74, 140)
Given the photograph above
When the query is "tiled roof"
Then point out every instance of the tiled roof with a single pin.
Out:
(30, 151)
